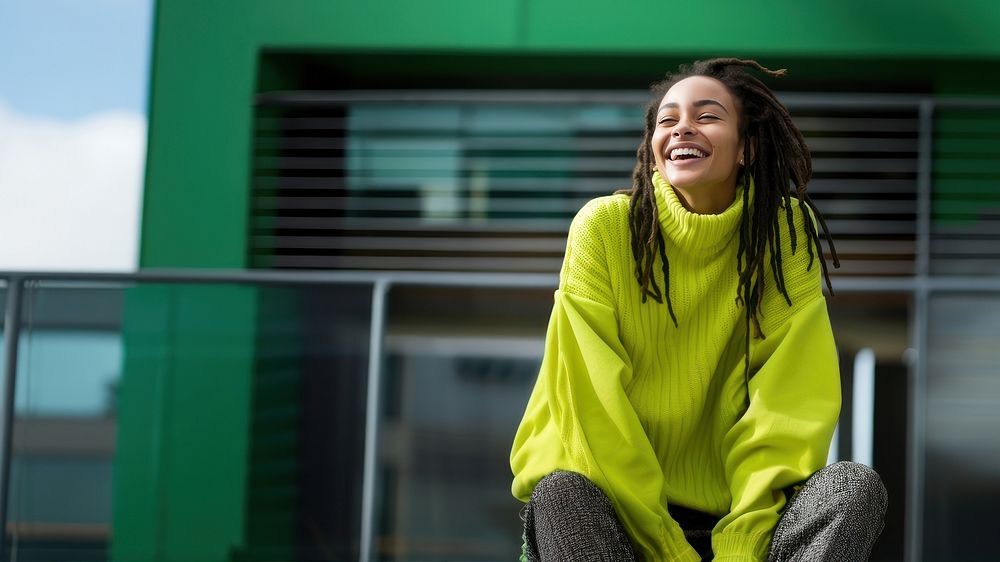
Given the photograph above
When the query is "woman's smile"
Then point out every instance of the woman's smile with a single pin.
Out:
(686, 154)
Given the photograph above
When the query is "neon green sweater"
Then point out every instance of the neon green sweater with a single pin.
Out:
(656, 414)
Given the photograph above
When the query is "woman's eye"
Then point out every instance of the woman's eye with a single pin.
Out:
(708, 116)
(667, 120)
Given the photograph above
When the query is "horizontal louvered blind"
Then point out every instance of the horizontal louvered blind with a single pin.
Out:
(468, 181)
(965, 227)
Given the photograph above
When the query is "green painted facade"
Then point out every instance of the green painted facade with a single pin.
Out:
(183, 446)
(206, 66)
(184, 404)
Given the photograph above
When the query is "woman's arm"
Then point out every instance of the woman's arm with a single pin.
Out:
(579, 417)
(784, 435)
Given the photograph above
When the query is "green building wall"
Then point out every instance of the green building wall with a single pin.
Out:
(182, 451)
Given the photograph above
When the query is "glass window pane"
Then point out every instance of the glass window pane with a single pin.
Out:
(962, 482)
(189, 421)
(872, 333)
(69, 367)
(461, 364)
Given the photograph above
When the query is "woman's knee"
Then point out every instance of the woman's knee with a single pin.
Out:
(560, 483)
(857, 487)
(562, 504)
(565, 489)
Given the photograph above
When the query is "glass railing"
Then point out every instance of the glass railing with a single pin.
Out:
(963, 414)
(180, 421)
(167, 418)
(250, 416)
(65, 421)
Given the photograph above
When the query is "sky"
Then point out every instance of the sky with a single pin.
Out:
(73, 95)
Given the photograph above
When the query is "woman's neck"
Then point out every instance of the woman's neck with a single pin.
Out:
(706, 201)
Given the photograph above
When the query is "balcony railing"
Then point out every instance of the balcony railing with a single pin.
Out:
(369, 415)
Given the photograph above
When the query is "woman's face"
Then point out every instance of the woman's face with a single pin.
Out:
(699, 116)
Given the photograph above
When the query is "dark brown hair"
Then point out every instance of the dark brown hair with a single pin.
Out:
(777, 158)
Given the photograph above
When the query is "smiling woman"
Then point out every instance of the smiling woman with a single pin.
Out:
(700, 431)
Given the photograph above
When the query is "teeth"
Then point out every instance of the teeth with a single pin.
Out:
(689, 151)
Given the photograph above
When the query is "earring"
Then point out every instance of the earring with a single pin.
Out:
(741, 161)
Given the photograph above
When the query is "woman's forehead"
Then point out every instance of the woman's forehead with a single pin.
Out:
(694, 88)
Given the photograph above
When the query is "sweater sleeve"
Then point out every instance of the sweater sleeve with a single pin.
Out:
(784, 435)
(579, 417)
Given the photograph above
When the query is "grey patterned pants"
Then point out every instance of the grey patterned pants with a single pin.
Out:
(836, 516)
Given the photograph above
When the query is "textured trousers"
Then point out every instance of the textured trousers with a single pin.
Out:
(835, 516)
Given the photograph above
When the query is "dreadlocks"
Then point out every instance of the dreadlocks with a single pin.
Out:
(778, 161)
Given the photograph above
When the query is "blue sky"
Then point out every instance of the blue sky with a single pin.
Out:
(73, 85)
(71, 58)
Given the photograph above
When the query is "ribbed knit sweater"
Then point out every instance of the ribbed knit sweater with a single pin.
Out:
(657, 414)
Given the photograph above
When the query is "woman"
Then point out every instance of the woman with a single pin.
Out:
(690, 384)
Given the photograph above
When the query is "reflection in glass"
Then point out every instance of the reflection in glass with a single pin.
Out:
(94, 357)
(962, 483)
(307, 421)
(189, 421)
(876, 326)
(65, 425)
(461, 364)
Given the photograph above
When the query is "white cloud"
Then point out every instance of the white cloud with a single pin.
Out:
(71, 192)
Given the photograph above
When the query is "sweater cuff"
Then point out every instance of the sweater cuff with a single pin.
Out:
(673, 546)
(677, 549)
(740, 547)
(687, 554)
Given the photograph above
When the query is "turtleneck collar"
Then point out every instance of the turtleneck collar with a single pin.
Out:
(691, 230)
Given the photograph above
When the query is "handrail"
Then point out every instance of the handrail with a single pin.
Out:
(844, 284)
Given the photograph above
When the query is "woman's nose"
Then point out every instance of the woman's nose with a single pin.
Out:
(682, 128)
